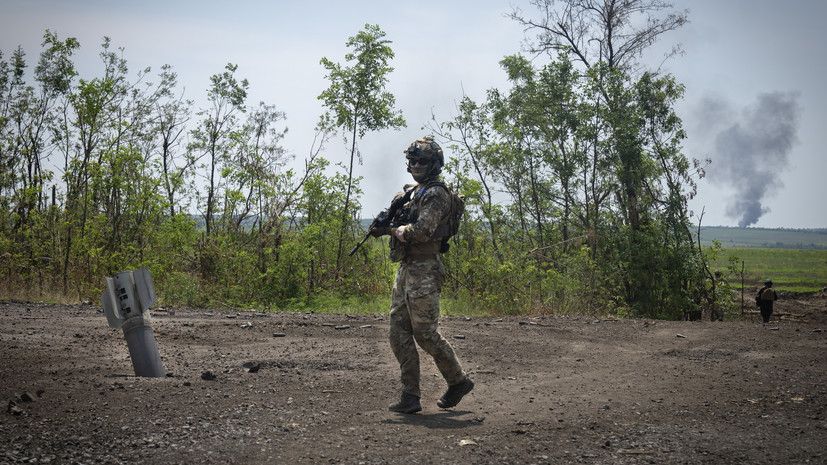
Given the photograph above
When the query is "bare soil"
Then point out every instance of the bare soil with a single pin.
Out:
(548, 390)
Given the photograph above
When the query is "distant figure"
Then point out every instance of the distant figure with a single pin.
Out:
(764, 299)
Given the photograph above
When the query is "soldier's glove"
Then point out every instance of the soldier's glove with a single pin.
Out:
(380, 231)
(399, 233)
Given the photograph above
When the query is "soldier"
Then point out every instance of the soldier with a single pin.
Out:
(414, 313)
(765, 298)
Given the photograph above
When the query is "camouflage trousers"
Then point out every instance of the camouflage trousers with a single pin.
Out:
(414, 319)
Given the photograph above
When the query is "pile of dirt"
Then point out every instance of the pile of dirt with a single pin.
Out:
(246, 387)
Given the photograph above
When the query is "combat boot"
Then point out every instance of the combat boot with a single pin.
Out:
(455, 393)
(407, 404)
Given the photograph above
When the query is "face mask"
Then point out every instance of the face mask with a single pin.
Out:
(420, 171)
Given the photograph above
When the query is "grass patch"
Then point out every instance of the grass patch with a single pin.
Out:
(456, 305)
(331, 303)
(45, 292)
(789, 269)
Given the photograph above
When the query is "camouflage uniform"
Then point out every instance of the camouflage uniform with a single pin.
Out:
(414, 313)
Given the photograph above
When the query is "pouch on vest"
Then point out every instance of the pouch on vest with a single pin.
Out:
(768, 294)
(398, 251)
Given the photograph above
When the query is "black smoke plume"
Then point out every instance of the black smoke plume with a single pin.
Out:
(752, 152)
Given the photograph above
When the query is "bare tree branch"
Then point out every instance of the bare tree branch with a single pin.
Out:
(613, 31)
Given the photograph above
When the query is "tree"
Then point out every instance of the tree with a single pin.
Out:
(615, 32)
(357, 101)
(26, 119)
(634, 137)
(172, 115)
(471, 134)
(537, 121)
(254, 170)
(214, 139)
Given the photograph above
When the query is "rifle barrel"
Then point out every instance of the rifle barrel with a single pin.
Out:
(356, 247)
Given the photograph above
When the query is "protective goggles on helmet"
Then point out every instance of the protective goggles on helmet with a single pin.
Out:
(413, 151)
(419, 161)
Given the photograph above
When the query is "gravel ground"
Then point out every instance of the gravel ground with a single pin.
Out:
(245, 387)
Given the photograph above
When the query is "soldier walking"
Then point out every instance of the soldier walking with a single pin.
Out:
(765, 298)
(414, 312)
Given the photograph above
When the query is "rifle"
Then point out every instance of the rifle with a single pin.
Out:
(386, 219)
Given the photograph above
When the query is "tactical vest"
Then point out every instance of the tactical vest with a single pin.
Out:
(414, 249)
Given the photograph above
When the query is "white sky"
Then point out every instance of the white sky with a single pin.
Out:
(735, 51)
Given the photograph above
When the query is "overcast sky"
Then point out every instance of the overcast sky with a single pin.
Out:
(753, 69)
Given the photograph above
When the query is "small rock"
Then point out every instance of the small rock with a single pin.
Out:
(14, 409)
(459, 336)
(680, 336)
(366, 326)
(246, 324)
(252, 367)
(343, 327)
(208, 376)
(465, 318)
(467, 442)
(279, 335)
(27, 397)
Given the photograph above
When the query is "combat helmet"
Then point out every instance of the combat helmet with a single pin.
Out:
(426, 149)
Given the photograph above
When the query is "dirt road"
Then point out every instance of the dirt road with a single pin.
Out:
(243, 387)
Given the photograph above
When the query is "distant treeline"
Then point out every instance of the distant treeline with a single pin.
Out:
(767, 238)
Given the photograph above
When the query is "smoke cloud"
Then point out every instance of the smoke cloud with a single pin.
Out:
(752, 151)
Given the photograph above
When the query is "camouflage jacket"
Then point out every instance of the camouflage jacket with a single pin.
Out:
(429, 209)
